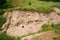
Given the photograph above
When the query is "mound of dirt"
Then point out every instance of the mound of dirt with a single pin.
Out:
(25, 22)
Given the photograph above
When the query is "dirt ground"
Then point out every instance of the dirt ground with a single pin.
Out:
(25, 22)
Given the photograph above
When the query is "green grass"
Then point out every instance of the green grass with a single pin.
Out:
(47, 27)
(55, 27)
(42, 6)
(2, 21)
(56, 38)
(58, 14)
(4, 36)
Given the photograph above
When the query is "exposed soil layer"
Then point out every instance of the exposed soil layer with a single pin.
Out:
(25, 22)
